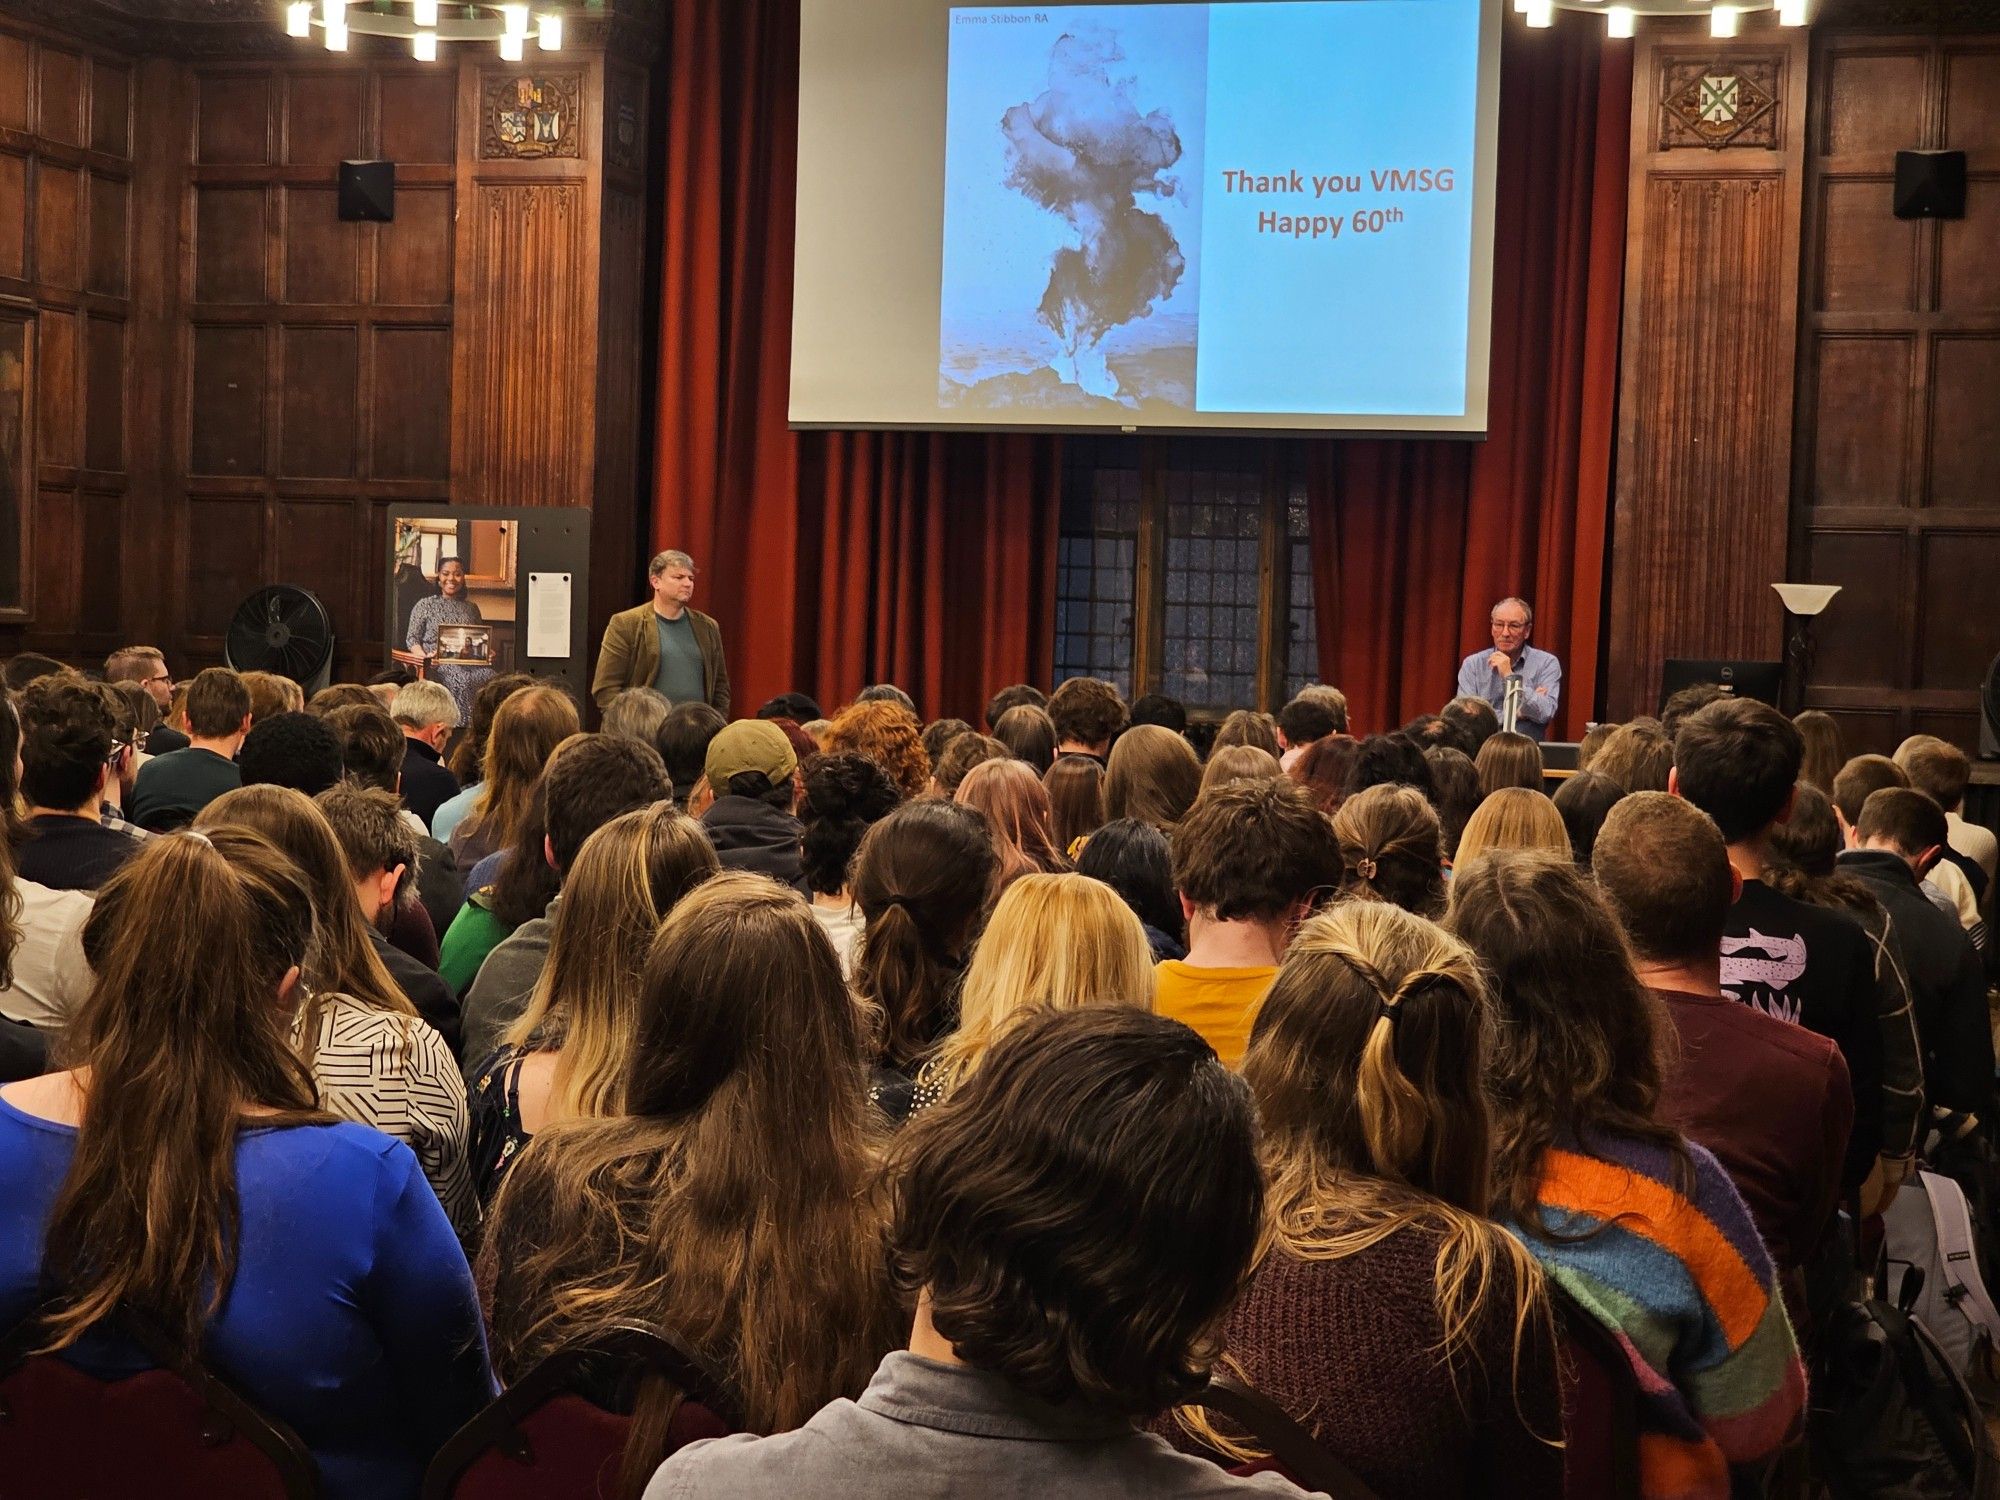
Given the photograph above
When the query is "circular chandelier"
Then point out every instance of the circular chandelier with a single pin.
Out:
(1620, 16)
(425, 23)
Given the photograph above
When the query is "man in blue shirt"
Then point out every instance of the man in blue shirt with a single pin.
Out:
(1485, 674)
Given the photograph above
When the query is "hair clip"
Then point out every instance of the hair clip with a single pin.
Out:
(1365, 868)
(199, 837)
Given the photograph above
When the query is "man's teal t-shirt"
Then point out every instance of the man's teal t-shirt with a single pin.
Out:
(680, 677)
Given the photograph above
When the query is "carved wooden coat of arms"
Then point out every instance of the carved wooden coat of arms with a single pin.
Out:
(528, 117)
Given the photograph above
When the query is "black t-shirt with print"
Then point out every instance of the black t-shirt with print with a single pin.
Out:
(1815, 968)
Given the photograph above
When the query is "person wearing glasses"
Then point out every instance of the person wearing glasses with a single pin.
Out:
(147, 666)
(1486, 674)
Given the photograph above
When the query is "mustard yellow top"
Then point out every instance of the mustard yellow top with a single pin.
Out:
(1221, 1004)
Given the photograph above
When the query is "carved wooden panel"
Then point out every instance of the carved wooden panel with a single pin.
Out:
(13, 215)
(1860, 450)
(1965, 409)
(229, 248)
(1856, 649)
(15, 69)
(58, 226)
(322, 251)
(110, 252)
(110, 108)
(532, 115)
(104, 395)
(1868, 257)
(1720, 101)
(1968, 267)
(1972, 97)
(413, 255)
(60, 114)
(55, 394)
(1857, 81)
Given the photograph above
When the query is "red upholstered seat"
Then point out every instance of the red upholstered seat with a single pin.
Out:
(1600, 1400)
(571, 1449)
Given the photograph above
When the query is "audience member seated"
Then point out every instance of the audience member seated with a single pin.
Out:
(183, 1169)
(523, 884)
(1029, 735)
(1010, 797)
(1507, 759)
(1245, 726)
(1074, 1222)
(271, 695)
(1640, 1226)
(888, 692)
(1388, 760)
(1825, 754)
(937, 734)
(527, 727)
(797, 707)
(1946, 885)
(1514, 818)
(1160, 709)
(1075, 785)
(1136, 861)
(887, 734)
(591, 779)
(1738, 761)
(1771, 1100)
(1583, 802)
(1408, 1333)
(372, 1059)
(1088, 715)
(683, 740)
(1020, 695)
(1682, 706)
(1435, 732)
(1324, 769)
(468, 757)
(1893, 845)
(1941, 771)
(1392, 849)
(1592, 742)
(70, 755)
(1054, 942)
(1303, 722)
(949, 770)
(295, 750)
(340, 695)
(637, 713)
(845, 794)
(568, 1054)
(754, 773)
(1152, 775)
(1454, 792)
(923, 878)
(172, 788)
(730, 1202)
(146, 668)
(134, 716)
(1637, 757)
(1477, 718)
(427, 715)
(25, 667)
(381, 851)
(373, 751)
(46, 978)
(1250, 862)
(1239, 763)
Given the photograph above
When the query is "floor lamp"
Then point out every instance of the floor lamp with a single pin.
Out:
(1804, 603)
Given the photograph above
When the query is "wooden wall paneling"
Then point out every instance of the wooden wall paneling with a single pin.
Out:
(16, 69)
(13, 215)
(1896, 474)
(1706, 406)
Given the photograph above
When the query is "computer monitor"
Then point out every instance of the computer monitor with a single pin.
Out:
(1762, 680)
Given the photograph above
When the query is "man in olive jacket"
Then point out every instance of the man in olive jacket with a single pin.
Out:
(663, 644)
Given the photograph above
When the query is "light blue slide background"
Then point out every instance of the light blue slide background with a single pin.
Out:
(1362, 323)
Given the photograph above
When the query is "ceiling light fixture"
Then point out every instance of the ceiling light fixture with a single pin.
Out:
(424, 24)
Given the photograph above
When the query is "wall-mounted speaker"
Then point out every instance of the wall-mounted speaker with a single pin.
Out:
(1930, 184)
(368, 190)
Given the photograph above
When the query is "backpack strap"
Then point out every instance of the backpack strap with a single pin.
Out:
(1306, 1460)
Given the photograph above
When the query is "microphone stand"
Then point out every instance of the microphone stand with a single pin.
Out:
(1510, 708)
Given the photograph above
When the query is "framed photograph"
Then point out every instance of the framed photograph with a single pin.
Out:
(464, 646)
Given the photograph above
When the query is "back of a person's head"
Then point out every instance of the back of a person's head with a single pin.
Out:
(1937, 768)
(1664, 869)
(1020, 695)
(845, 794)
(1861, 778)
(217, 703)
(1239, 763)
(1393, 848)
(526, 730)
(424, 705)
(1323, 769)
(138, 715)
(940, 733)
(271, 694)
(1158, 708)
(296, 750)
(1592, 742)
(1809, 841)
(1084, 1209)
(1455, 792)
(1304, 720)
(683, 739)
(1011, 798)
(1087, 711)
(1253, 851)
(1245, 726)
(1903, 819)
(888, 734)
(371, 746)
(1514, 818)
(888, 692)
(1135, 860)
(637, 714)
(339, 695)
(26, 666)
(1685, 704)
(191, 944)
(1075, 784)
(369, 824)
(922, 878)
(592, 779)
(1637, 757)
(959, 757)
(468, 756)
(1508, 759)
(1582, 802)
(1825, 753)
(1477, 718)
(1029, 735)
(797, 707)
(68, 732)
(1737, 760)
(1329, 697)
(1153, 776)
(1388, 760)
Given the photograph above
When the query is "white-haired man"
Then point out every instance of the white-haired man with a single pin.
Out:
(1485, 674)
(427, 714)
(664, 645)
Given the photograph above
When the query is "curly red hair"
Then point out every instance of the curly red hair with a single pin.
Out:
(888, 734)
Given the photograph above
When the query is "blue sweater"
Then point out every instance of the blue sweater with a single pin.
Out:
(351, 1316)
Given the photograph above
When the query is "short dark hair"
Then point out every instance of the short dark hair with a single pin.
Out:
(1434, 732)
(1861, 778)
(1304, 720)
(1389, 760)
(592, 779)
(1584, 800)
(1135, 860)
(372, 747)
(1664, 868)
(794, 706)
(1084, 1208)
(845, 794)
(682, 740)
(1937, 768)
(1087, 710)
(886, 692)
(1737, 760)
(1029, 735)
(940, 733)
(298, 750)
(1684, 703)
(1454, 792)
(1252, 849)
(26, 666)
(1476, 717)
(1158, 708)
(68, 732)
(1017, 696)
(217, 703)
(371, 829)
(1910, 821)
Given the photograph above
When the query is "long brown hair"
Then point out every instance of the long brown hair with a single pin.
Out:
(1392, 847)
(341, 960)
(182, 1033)
(629, 875)
(1010, 797)
(1508, 759)
(1513, 817)
(1824, 753)
(732, 1202)
(1580, 1046)
(1154, 776)
(526, 730)
(468, 756)
(1075, 784)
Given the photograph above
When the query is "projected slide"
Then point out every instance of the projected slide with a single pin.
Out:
(1156, 213)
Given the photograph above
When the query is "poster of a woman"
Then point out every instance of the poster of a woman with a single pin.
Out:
(448, 660)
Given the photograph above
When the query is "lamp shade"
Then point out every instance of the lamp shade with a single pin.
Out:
(1806, 598)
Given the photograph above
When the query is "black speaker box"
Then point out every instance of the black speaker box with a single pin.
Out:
(1930, 184)
(368, 190)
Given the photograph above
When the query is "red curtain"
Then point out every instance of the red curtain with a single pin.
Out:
(1414, 540)
(837, 559)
